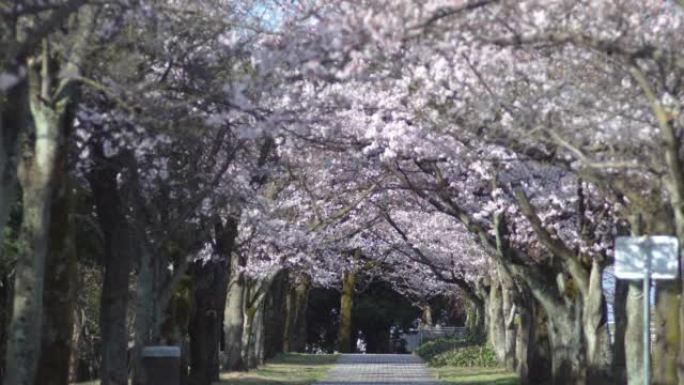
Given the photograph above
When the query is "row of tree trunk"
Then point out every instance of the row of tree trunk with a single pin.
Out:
(566, 292)
(564, 341)
(210, 308)
(36, 122)
(236, 329)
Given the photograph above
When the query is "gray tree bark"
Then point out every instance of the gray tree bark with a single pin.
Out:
(276, 315)
(568, 362)
(118, 255)
(496, 335)
(60, 283)
(205, 323)
(14, 118)
(524, 335)
(37, 175)
(426, 316)
(674, 182)
(255, 353)
(595, 326)
(252, 337)
(634, 347)
(475, 317)
(233, 318)
(620, 314)
(666, 324)
(301, 303)
(509, 309)
(344, 334)
(209, 291)
(561, 302)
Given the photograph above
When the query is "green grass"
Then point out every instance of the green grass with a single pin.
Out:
(475, 376)
(284, 369)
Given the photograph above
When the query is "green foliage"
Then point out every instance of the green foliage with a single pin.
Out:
(467, 356)
(10, 249)
(11, 243)
(475, 338)
(434, 347)
(468, 351)
(440, 345)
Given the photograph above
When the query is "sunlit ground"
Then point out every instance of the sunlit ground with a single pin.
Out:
(305, 369)
(285, 369)
(475, 376)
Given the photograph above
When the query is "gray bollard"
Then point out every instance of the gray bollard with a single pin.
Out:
(161, 365)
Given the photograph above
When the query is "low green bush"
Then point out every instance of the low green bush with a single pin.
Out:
(467, 351)
(440, 345)
(434, 347)
(466, 356)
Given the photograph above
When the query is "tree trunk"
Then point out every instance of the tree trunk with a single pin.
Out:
(276, 315)
(248, 336)
(509, 309)
(60, 279)
(560, 302)
(203, 345)
(634, 343)
(226, 235)
(118, 254)
(14, 118)
(37, 174)
(210, 289)
(674, 182)
(205, 325)
(524, 329)
(510, 339)
(568, 362)
(540, 364)
(344, 335)
(475, 318)
(302, 289)
(496, 335)
(255, 355)
(252, 333)
(147, 310)
(233, 320)
(595, 326)
(290, 316)
(6, 288)
(426, 316)
(75, 343)
(620, 315)
(666, 342)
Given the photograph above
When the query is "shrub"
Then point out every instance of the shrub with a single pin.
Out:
(431, 348)
(466, 356)
(440, 345)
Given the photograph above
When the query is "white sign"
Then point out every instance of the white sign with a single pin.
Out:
(632, 255)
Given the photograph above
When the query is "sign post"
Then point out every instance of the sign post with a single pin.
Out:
(647, 320)
(646, 258)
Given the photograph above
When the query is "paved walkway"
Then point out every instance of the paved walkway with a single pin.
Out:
(379, 369)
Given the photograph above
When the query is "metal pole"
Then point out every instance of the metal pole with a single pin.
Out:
(647, 320)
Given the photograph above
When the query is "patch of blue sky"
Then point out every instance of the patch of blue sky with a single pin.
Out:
(268, 14)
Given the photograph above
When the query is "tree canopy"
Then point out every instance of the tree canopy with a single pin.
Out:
(201, 154)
